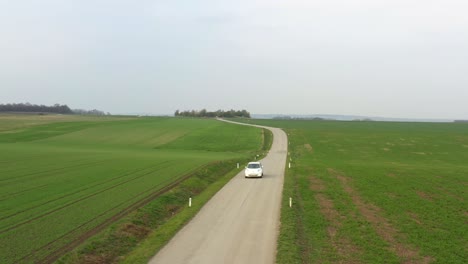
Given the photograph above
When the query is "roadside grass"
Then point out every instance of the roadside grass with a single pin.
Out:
(146, 230)
(153, 225)
(374, 192)
(61, 180)
(267, 140)
(163, 233)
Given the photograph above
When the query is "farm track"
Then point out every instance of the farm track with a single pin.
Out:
(56, 254)
(72, 203)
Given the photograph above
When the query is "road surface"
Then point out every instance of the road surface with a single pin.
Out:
(240, 224)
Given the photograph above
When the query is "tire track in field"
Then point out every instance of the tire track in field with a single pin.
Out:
(71, 234)
(13, 164)
(72, 203)
(45, 167)
(407, 253)
(56, 254)
(80, 190)
(10, 195)
(63, 169)
(346, 250)
(53, 170)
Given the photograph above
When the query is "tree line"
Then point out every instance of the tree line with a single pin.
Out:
(219, 113)
(27, 107)
(56, 108)
(90, 112)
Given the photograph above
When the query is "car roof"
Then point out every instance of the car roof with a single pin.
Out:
(254, 162)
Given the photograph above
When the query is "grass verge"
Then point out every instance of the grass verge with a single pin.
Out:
(267, 140)
(289, 249)
(146, 230)
(139, 236)
(160, 236)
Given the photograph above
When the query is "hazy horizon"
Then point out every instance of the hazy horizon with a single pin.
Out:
(396, 59)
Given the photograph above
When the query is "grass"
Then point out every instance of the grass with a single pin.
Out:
(12, 123)
(163, 233)
(137, 237)
(156, 223)
(62, 178)
(374, 192)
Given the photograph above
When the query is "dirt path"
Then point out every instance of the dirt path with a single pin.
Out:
(240, 223)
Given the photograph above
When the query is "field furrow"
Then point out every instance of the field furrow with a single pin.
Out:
(84, 188)
(66, 204)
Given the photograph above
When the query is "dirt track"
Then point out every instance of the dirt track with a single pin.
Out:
(240, 223)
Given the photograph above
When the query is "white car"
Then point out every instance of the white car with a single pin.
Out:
(254, 169)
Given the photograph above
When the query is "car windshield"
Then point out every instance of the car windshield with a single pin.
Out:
(253, 166)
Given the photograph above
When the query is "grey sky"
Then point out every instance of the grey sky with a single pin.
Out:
(394, 58)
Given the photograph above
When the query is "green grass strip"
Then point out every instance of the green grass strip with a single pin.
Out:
(288, 248)
(154, 224)
(165, 232)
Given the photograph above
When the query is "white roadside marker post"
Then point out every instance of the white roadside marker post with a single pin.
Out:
(290, 202)
(190, 202)
(289, 164)
(238, 165)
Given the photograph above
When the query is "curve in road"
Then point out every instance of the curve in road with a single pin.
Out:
(240, 224)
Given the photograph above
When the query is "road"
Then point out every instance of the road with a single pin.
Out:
(240, 224)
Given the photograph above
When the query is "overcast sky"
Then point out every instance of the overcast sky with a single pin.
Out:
(392, 58)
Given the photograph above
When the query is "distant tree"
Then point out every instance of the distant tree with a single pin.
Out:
(90, 112)
(202, 113)
(32, 108)
(219, 113)
(56, 108)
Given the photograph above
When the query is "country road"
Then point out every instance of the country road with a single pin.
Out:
(240, 224)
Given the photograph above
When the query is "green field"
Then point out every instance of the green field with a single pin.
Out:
(375, 192)
(61, 176)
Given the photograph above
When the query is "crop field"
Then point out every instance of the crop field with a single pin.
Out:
(61, 177)
(375, 192)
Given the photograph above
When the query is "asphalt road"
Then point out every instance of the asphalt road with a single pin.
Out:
(240, 224)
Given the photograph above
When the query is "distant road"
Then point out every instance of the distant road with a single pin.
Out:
(240, 224)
